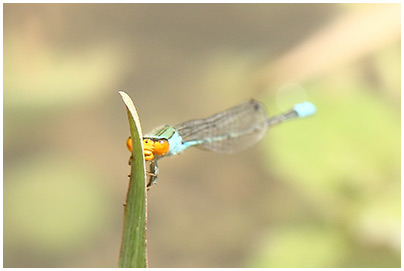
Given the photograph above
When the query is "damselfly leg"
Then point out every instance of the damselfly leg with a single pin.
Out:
(152, 172)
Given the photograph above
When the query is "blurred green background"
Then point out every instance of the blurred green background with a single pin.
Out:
(318, 192)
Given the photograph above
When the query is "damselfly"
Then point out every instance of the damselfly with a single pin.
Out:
(232, 130)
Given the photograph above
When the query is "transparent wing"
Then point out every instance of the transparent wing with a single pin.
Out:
(232, 130)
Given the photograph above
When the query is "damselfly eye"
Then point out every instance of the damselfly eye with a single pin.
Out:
(129, 144)
(161, 147)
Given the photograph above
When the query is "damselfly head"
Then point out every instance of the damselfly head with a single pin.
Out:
(151, 147)
(155, 147)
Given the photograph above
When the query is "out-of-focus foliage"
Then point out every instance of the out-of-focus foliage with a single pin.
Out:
(349, 178)
(317, 192)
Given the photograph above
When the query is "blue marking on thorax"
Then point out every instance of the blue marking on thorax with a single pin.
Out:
(174, 139)
(176, 144)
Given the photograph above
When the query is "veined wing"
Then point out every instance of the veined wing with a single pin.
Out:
(232, 130)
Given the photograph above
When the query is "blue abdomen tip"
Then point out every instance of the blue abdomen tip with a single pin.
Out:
(305, 109)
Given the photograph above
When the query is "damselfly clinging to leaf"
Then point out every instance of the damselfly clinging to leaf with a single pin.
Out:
(232, 130)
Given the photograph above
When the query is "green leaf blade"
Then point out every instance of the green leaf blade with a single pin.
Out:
(133, 246)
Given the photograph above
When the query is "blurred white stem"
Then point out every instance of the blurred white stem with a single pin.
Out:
(350, 37)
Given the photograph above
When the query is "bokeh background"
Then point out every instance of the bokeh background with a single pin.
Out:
(318, 192)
